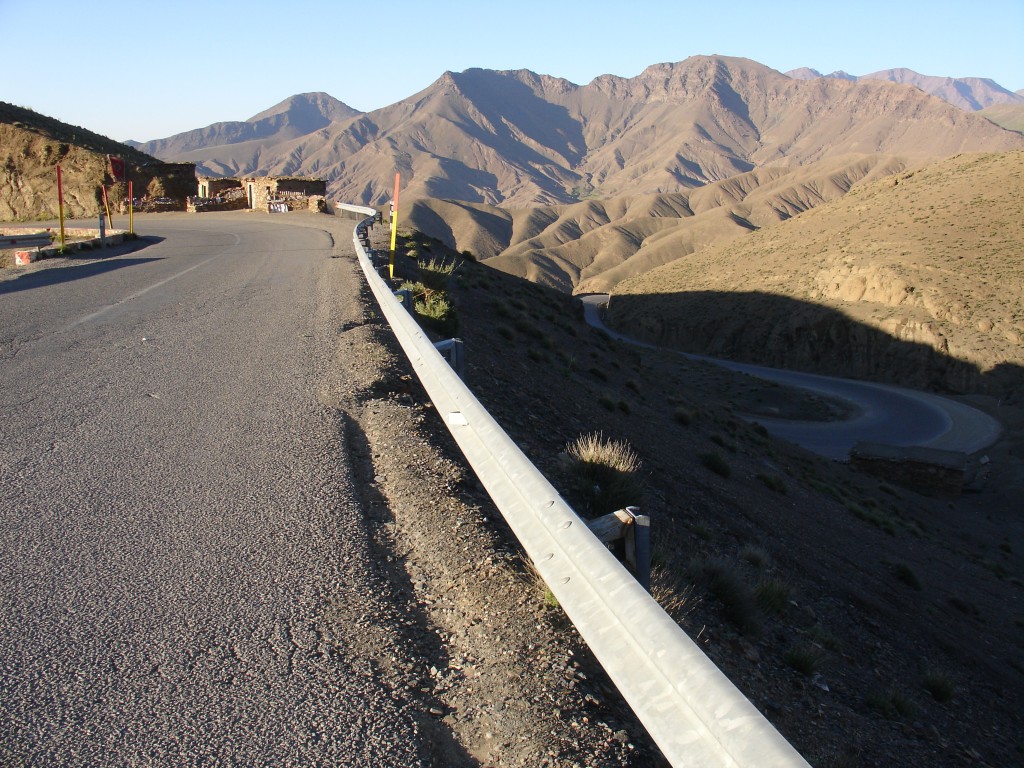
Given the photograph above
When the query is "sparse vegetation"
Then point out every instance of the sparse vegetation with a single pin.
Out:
(939, 686)
(805, 659)
(715, 463)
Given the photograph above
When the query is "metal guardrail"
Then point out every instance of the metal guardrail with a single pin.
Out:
(31, 240)
(693, 712)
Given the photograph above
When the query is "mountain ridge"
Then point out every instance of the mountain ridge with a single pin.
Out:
(968, 93)
(291, 118)
(515, 137)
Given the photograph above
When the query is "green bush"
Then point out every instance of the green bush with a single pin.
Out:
(683, 416)
(772, 482)
(725, 582)
(772, 596)
(805, 659)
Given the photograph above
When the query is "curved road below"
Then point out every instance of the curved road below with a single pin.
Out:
(185, 577)
(884, 413)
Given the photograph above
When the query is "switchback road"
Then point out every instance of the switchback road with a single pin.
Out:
(182, 558)
(884, 413)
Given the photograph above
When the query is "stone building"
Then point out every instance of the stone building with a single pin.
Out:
(262, 193)
(293, 191)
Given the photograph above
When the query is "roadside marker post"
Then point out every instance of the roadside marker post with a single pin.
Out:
(60, 205)
(394, 227)
(106, 206)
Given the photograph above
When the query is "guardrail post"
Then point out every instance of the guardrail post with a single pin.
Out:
(406, 297)
(452, 349)
(634, 530)
(638, 546)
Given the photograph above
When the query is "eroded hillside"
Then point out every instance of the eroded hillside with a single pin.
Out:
(590, 246)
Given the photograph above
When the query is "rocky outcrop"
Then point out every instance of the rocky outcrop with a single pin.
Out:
(33, 147)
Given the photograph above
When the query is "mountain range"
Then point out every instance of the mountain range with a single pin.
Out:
(516, 138)
(967, 93)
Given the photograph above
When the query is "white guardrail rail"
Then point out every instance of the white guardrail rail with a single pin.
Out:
(693, 712)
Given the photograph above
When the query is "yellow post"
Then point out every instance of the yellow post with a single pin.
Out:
(394, 226)
(131, 210)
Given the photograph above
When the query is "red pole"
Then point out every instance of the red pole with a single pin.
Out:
(60, 205)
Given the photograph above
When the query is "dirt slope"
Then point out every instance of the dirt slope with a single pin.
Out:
(34, 144)
(836, 603)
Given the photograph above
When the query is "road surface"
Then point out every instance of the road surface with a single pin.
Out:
(183, 566)
(884, 413)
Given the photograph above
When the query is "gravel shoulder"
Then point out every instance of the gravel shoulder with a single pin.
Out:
(489, 662)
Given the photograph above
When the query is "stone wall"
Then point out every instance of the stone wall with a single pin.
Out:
(211, 186)
(926, 470)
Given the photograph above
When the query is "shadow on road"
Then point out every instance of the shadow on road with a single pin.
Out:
(69, 270)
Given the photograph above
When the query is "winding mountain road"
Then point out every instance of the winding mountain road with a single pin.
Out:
(884, 413)
(184, 574)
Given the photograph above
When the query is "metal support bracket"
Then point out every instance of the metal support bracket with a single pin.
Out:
(406, 297)
(452, 351)
(635, 531)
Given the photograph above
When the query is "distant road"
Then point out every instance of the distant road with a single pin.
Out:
(184, 572)
(885, 414)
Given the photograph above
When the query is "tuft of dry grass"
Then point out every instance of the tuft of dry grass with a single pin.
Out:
(605, 473)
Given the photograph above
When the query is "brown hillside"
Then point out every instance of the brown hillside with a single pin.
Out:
(33, 145)
(933, 257)
(520, 139)
(590, 246)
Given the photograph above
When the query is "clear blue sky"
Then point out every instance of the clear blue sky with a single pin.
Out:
(146, 70)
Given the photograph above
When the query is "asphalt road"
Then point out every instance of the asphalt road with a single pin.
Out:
(182, 559)
(883, 413)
